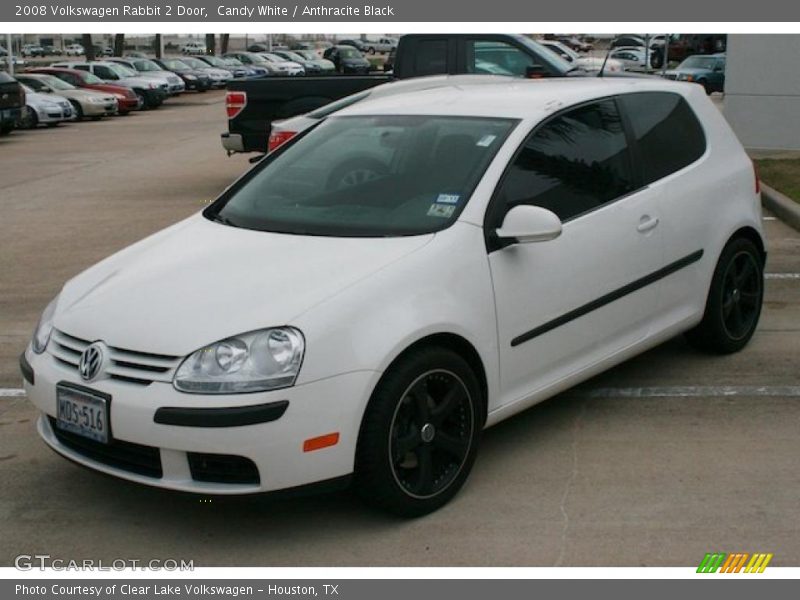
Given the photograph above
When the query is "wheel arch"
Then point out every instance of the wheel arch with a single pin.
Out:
(749, 233)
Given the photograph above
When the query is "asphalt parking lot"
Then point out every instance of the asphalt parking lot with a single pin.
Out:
(655, 463)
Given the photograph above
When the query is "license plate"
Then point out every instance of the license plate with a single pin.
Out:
(83, 413)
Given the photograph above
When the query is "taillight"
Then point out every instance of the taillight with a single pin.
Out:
(235, 102)
(278, 139)
(758, 181)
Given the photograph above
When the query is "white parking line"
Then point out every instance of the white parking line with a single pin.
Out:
(782, 276)
(11, 393)
(700, 391)
(770, 218)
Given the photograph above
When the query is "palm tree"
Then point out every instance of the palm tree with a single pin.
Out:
(88, 46)
(119, 44)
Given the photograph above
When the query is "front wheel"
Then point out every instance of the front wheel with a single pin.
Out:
(734, 300)
(420, 433)
(76, 106)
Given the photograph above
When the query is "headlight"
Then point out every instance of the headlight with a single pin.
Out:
(44, 328)
(119, 96)
(262, 360)
(96, 100)
(152, 86)
(191, 77)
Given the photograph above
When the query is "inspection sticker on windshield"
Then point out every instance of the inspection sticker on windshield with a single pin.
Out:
(441, 210)
(447, 199)
(486, 141)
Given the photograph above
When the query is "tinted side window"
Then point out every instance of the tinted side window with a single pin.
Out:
(667, 132)
(573, 163)
(498, 58)
(431, 57)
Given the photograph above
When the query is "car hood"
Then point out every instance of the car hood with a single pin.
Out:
(85, 94)
(39, 99)
(198, 282)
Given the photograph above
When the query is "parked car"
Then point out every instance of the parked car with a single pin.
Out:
(44, 109)
(575, 43)
(31, 50)
(438, 270)
(193, 48)
(127, 100)
(151, 92)
(225, 64)
(74, 50)
(347, 60)
(253, 60)
(146, 67)
(587, 63)
(193, 79)
(284, 66)
(85, 103)
(50, 50)
(310, 67)
(219, 77)
(12, 102)
(136, 54)
(357, 44)
(631, 57)
(706, 70)
(325, 66)
(381, 45)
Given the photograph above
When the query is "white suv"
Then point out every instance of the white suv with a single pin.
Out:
(413, 269)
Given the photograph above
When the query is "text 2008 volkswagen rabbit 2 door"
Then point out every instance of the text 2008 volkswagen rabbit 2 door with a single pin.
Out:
(368, 298)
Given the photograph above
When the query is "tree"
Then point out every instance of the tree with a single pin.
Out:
(223, 43)
(88, 46)
(119, 44)
(157, 45)
(211, 44)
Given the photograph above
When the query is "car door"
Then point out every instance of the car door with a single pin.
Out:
(568, 303)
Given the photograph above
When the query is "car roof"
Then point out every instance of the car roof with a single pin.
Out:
(517, 99)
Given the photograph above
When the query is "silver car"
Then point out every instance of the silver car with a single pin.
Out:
(147, 68)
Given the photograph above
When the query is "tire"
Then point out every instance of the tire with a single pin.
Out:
(734, 300)
(371, 50)
(142, 99)
(420, 433)
(29, 119)
(705, 85)
(76, 106)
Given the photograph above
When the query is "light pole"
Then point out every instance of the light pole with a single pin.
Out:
(10, 55)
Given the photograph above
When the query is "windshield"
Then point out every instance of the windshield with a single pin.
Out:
(55, 83)
(91, 78)
(217, 62)
(257, 58)
(308, 54)
(293, 56)
(698, 62)
(146, 65)
(195, 63)
(349, 52)
(176, 65)
(368, 176)
(232, 62)
(122, 70)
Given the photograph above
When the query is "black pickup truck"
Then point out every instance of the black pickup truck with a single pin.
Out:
(12, 100)
(253, 104)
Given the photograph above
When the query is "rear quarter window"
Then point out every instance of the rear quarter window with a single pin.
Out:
(668, 134)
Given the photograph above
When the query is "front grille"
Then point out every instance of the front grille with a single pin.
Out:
(671, 76)
(141, 368)
(222, 468)
(143, 460)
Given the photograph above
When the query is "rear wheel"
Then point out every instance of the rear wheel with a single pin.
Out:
(734, 300)
(420, 433)
(29, 118)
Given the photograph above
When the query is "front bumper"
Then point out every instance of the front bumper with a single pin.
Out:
(274, 446)
(54, 114)
(91, 109)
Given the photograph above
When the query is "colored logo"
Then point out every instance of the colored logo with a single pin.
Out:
(739, 562)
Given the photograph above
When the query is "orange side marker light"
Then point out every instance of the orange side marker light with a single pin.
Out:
(323, 441)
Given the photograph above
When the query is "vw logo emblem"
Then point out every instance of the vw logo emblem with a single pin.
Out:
(91, 361)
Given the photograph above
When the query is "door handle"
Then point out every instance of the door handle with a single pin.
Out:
(646, 223)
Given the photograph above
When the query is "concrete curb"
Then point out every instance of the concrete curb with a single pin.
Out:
(786, 209)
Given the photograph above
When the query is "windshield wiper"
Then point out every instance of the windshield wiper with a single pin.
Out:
(223, 219)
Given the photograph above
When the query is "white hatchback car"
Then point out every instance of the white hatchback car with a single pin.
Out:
(316, 325)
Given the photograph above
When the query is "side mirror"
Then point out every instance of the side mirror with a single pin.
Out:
(535, 72)
(524, 224)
